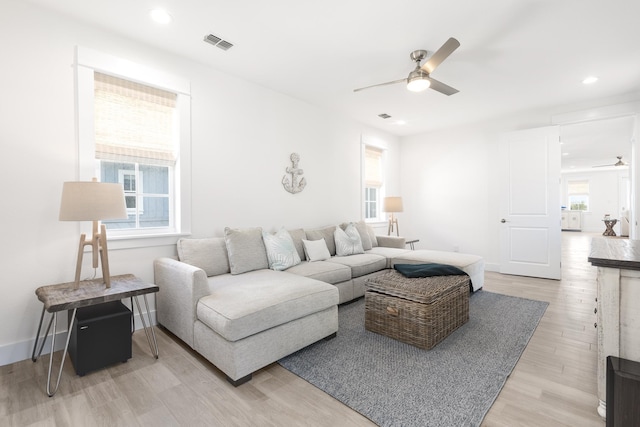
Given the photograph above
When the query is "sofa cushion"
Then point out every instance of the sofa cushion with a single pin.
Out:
(316, 250)
(388, 253)
(364, 235)
(281, 252)
(246, 249)
(297, 236)
(325, 233)
(348, 241)
(322, 270)
(361, 264)
(240, 306)
(208, 254)
(372, 236)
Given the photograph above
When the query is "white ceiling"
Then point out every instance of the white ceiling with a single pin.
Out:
(515, 55)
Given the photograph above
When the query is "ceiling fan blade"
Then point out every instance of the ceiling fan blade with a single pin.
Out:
(441, 87)
(441, 54)
(381, 84)
(620, 162)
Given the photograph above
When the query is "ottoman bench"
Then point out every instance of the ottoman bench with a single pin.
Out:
(417, 311)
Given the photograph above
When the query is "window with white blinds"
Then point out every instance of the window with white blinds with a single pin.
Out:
(578, 195)
(133, 122)
(134, 129)
(373, 182)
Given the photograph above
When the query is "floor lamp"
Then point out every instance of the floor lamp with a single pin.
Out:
(93, 201)
(391, 205)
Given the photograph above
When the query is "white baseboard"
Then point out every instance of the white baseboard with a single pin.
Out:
(492, 267)
(17, 352)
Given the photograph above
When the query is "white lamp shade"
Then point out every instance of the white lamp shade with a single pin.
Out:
(92, 201)
(392, 204)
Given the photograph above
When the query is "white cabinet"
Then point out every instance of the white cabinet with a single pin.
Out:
(617, 304)
(571, 220)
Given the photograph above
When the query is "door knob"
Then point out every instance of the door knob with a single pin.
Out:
(503, 220)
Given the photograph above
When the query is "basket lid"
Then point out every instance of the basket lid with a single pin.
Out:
(423, 290)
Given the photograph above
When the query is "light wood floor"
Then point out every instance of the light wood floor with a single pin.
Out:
(553, 384)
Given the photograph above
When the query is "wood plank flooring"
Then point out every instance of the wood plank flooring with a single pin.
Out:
(553, 384)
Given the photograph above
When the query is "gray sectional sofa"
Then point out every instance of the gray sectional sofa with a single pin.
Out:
(243, 304)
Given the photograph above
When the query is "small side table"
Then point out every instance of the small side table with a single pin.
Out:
(609, 223)
(64, 296)
(411, 243)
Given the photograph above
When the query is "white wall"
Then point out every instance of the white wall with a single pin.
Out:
(605, 196)
(242, 137)
(450, 180)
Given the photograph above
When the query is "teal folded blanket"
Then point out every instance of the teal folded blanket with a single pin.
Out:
(428, 270)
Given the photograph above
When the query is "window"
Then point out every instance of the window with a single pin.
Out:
(134, 129)
(134, 137)
(578, 195)
(373, 182)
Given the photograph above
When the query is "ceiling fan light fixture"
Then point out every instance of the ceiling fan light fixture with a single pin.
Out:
(418, 81)
(160, 16)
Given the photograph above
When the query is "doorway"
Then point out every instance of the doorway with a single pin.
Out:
(596, 156)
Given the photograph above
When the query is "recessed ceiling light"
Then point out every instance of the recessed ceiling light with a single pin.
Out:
(590, 80)
(401, 122)
(160, 16)
(565, 154)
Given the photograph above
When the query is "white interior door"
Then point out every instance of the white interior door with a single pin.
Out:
(530, 239)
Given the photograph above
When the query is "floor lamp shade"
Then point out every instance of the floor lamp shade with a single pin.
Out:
(93, 201)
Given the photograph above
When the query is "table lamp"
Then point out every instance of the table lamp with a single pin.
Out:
(391, 205)
(93, 201)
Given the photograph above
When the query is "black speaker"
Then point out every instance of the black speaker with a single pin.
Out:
(100, 336)
(623, 392)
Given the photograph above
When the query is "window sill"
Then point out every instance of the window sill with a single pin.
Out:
(143, 240)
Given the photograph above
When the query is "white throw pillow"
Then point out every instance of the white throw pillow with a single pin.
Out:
(348, 242)
(316, 250)
(281, 251)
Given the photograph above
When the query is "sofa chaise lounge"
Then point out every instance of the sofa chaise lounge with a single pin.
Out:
(230, 299)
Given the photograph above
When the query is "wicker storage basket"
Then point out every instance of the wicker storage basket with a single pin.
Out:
(421, 311)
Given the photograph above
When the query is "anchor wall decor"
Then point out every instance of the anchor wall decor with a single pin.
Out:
(297, 182)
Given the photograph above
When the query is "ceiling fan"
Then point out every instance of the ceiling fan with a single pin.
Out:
(420, 78)
(618, 163)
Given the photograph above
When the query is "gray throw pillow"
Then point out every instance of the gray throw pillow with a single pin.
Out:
(372, 236)
(246, 249)
(297, 236)
(209, 254)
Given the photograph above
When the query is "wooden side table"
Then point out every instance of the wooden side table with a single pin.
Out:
(411, 243)
(609, 223)
(64, 296)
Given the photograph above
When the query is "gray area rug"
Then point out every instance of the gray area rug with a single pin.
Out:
(396, 384)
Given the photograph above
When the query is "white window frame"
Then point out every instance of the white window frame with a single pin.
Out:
(379, 214)
(138, 192)
(87, 62)
(588, 195)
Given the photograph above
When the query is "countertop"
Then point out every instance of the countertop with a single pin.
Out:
(615, 253)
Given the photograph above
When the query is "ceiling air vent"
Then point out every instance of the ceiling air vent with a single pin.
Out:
(218, 42)
(384, 116)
